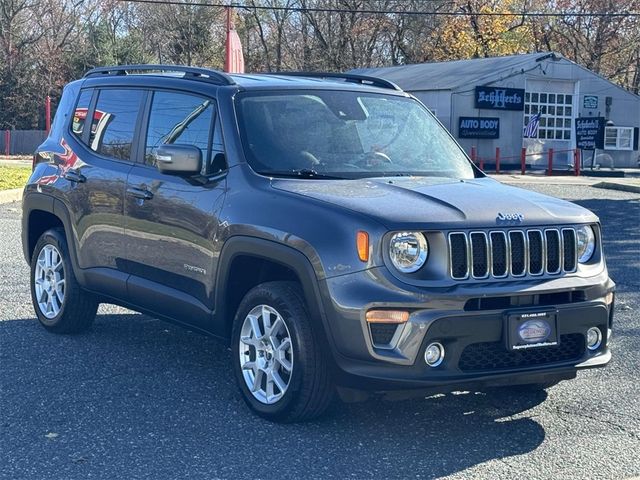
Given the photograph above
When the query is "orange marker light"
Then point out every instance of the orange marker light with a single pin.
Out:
(387, 316)
(362, 242)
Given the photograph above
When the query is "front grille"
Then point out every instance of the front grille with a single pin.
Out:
(569, 242)
(495, 356)
(518, 250)
(480, 255)
(499, 257)
(513, 253)
(458, 255)
(553, 250)
(536, 259)
(519, 301)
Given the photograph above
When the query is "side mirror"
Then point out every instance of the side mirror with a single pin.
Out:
(179, 159)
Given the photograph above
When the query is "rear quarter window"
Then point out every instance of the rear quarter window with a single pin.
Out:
(80, 113)
(114, 122)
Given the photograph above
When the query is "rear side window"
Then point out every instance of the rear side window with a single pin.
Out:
(80, 113)
(181, 119)
(115, 119)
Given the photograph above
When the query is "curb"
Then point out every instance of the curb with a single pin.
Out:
(8, 196)
(618, 186)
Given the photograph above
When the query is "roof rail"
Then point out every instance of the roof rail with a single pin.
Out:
(349, 77)
(196, 73)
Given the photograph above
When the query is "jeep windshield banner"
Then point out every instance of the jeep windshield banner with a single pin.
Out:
(590, 133)
(478, 127)
(497, 98)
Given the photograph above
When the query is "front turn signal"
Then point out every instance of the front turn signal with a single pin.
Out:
(387, 316)
(362, 242)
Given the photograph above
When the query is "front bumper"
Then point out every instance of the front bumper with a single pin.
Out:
(468, 320)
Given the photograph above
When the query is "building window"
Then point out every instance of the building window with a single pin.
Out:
(618, 138)
(556, 114)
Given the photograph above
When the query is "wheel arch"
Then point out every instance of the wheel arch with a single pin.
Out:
(40, 213)
(269, 261)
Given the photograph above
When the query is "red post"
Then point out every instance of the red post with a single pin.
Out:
(7, 142)
(497, 159)
(523, 161)
(482, 165)
(47, 114)
(473, 154)
(227, 48)
(550, 167)
(576, 162)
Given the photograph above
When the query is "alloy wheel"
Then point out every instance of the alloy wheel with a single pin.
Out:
(49, 281)
(266, 354)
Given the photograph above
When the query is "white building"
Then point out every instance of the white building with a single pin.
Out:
(486, 103)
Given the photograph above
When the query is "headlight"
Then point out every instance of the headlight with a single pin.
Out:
(586, 243)
(408, 251)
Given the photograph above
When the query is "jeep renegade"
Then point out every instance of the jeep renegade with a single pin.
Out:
(326, 225)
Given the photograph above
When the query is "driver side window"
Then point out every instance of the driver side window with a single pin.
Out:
(179, 119)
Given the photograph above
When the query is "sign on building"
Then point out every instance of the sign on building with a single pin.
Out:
(590, 101)
(478, 127)
(590, 133)
(498, 98)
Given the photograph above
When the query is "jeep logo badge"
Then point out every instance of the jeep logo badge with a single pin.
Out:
(509, 217)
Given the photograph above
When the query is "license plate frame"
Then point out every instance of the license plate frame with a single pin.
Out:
(531, 329)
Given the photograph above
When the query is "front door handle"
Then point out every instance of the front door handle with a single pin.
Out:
(140, 192)
(74, 176)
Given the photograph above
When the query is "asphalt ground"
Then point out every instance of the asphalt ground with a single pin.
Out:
(139, 398)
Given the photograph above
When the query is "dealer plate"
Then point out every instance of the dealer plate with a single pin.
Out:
(532, 329)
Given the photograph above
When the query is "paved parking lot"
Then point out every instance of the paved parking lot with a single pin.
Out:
(138, 398)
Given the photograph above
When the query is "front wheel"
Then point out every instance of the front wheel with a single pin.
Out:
(278, 363)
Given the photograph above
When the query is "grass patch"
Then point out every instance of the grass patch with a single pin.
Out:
(13, 177)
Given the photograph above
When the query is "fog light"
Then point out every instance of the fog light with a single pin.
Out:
(434, 354)
(594, 338)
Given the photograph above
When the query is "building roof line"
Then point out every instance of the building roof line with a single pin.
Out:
(493, 76)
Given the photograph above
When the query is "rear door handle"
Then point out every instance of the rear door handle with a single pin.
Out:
(140, 192)
(74, 176)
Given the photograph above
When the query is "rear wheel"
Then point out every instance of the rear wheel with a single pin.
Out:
(59, 302)
(278, 363)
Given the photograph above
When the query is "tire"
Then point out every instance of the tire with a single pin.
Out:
(59, 302)
(308, 389)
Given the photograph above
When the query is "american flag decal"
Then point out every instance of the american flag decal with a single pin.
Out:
(531, 129)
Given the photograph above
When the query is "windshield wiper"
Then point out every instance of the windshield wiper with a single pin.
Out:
(302, 173)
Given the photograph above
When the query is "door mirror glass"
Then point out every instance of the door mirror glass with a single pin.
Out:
(179, 159)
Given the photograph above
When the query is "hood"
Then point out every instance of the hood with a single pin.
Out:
(423, 202)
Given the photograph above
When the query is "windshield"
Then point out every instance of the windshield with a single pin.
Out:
(345, 134)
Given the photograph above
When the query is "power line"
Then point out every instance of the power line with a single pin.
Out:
(388, 12)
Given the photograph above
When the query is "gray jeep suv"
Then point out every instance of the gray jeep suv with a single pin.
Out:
(326, 225)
